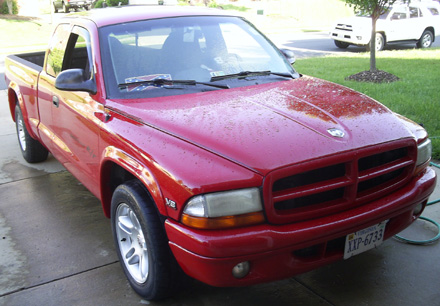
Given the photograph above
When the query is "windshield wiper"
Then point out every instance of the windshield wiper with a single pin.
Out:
(163, 82)
(245, 74)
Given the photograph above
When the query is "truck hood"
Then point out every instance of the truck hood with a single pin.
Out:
(360, 23)
(270, 126)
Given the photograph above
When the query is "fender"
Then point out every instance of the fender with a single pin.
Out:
(15, 97)
(134, 167)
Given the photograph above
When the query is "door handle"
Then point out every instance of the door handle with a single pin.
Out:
(55, 101)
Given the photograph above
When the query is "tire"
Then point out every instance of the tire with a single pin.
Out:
(341, 44)
(55, 10)
(32, 150)
(141, 242)
(426, 40)
(380, 42)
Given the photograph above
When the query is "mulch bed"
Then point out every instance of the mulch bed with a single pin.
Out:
(18, 17)
(378, 76)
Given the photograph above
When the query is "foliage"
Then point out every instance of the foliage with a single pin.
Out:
(212, 4)
(4, 8)
(416, 94)
(373, 8)
(99, 3)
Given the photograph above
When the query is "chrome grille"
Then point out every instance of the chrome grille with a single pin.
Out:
(344, 27)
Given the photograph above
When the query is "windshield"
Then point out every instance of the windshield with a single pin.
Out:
(152, 57)
(366, 14)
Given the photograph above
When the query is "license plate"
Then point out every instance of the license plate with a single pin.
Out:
(364, 240)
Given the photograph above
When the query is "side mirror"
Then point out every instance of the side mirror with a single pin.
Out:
(75, 80)
(289, 55)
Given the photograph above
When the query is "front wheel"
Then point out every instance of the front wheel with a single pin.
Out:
(380, 42)
(341, 44)
(426, 40)
(141, 242)
(31, 149)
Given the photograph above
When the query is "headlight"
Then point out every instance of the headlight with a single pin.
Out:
(224, 209)
(424, 152)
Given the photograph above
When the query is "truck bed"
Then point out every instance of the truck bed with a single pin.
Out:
(34, 60)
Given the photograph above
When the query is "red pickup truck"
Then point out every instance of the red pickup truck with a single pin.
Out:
(209, 152)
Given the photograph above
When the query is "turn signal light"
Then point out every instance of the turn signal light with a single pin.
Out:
(223, 222)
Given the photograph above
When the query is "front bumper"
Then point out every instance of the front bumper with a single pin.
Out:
(352, 38)
(79, 5)
(281, 251)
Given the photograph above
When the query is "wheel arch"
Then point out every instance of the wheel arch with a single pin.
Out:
(384, 35)
(15, 98)
(432, 30)
(119, 167)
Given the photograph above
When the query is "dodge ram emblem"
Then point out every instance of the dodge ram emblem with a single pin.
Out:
(336, 133)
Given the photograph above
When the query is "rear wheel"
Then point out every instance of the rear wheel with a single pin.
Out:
(426, 40)
(32, 150)
(141, 242)
(341, 44)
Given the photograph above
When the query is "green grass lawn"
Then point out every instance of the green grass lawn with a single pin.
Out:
(416, 95)
(17, 33)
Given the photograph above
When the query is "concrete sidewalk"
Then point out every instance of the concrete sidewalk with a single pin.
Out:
(56, 249)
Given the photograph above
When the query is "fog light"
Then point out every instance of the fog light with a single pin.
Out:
(241, 270)
(418, 209)
(359, 37)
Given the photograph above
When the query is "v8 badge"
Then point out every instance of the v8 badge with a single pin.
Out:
(171, 203)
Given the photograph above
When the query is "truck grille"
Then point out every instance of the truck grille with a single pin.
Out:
(344, 27)
(337, 183)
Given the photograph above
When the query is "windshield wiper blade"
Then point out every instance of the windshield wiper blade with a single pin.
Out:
(163, 82)
(244, 74)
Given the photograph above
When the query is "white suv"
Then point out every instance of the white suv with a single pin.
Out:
(411, 23)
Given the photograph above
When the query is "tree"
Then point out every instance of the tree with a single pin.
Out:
(9, 3)
(374, 9)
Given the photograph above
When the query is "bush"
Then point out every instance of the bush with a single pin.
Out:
(110, 3)
(212, 4)
(4, 8)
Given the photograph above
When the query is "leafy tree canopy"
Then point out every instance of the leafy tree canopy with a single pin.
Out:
(373, 8)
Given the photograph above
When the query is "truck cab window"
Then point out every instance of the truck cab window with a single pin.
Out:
(74, 52)
(57, 47)
(78, 52)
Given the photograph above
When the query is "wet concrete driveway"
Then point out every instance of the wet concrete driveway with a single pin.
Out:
(56, 249)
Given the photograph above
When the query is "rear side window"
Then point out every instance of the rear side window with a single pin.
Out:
(415, 12)
(434, 11)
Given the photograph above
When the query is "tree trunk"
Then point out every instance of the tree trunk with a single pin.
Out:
(9, 3)
(373, 45)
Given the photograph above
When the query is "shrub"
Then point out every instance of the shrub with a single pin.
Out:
(4, 8)
(110, 3)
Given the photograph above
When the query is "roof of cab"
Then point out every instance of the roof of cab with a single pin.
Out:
(115, 15)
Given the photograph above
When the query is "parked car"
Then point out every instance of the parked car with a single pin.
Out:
(417, 23)
(67, 5)
(210, 153)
